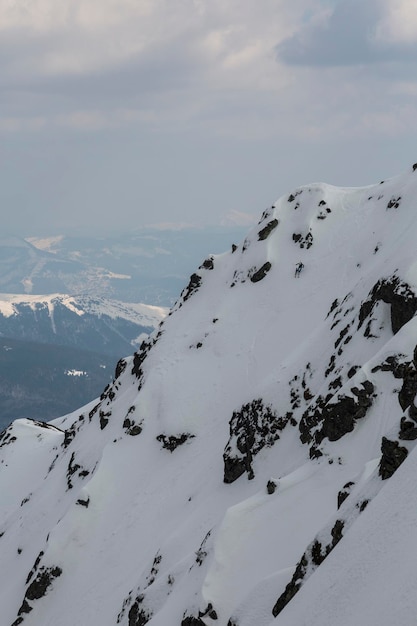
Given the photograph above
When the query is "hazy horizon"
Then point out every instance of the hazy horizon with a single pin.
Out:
(117, 115)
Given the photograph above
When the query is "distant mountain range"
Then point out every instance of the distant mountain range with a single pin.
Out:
(85, 322)
(58, 351)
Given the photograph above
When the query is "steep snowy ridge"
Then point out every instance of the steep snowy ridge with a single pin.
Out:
(250, 439)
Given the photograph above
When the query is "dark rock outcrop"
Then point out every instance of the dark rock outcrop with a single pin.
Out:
(138, 615)
(38, 588)
(344, 493)
(192, 287)
(408, 429)
(192, 621)
(131, 427)
(396, 293)
(208, 264)
(267, 230)
(333, 417)
(171, 442)
(261, 273)
(312, 558)
(392, 456)
(304, 241)
(251, 428)
(120, 368)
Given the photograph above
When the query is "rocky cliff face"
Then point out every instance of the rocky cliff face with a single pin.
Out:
(269, 422)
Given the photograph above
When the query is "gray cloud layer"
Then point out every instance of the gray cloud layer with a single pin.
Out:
(347, 36)
(116, 113)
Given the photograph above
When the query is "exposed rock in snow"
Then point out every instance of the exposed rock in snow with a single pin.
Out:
(253, 462)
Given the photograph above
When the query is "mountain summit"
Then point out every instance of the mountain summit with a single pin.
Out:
(253, 462)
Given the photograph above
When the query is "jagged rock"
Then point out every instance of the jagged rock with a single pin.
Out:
(208, 264)
(405, 370)
(209, 611)
(344, 493)
(353, 370)
(131, 428)
(35, 567)
(192, 621)
(267, 230)
(6, 438)
(304, 241)
(261, 273)
(293, 196)
(408, 391)
(271, 486)
(82, 502)
(172, 442)
(154, 569)
(104, 419)
(120, 368)
(72, 468)
(394, 203)
(335, 416)
(192, 287)
(292, 588)
(139, 357)
(408, 429)
(362, 505)
(339, 418)
(235, 467)
(398, 294)
(251, 429)
(39, 587)
(202, 551)
(313, 557)
(138, 616)
(392, 456)
(70, 433)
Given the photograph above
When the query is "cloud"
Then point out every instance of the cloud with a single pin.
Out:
(82, 37)
(355, 32)
(81, 63)
(239, 218)
(398, 25)
(178, 110)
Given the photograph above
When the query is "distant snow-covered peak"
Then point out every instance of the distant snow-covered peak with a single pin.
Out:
(147, 314)
(47, 244)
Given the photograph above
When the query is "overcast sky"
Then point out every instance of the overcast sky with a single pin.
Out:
(115, 114)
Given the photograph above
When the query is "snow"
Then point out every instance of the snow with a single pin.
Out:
(47, 244)
(75, 373)
(135, 524)
(369, 577)
(241, 552)
(80, 305)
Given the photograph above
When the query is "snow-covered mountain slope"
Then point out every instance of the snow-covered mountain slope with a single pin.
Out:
(241, 469)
